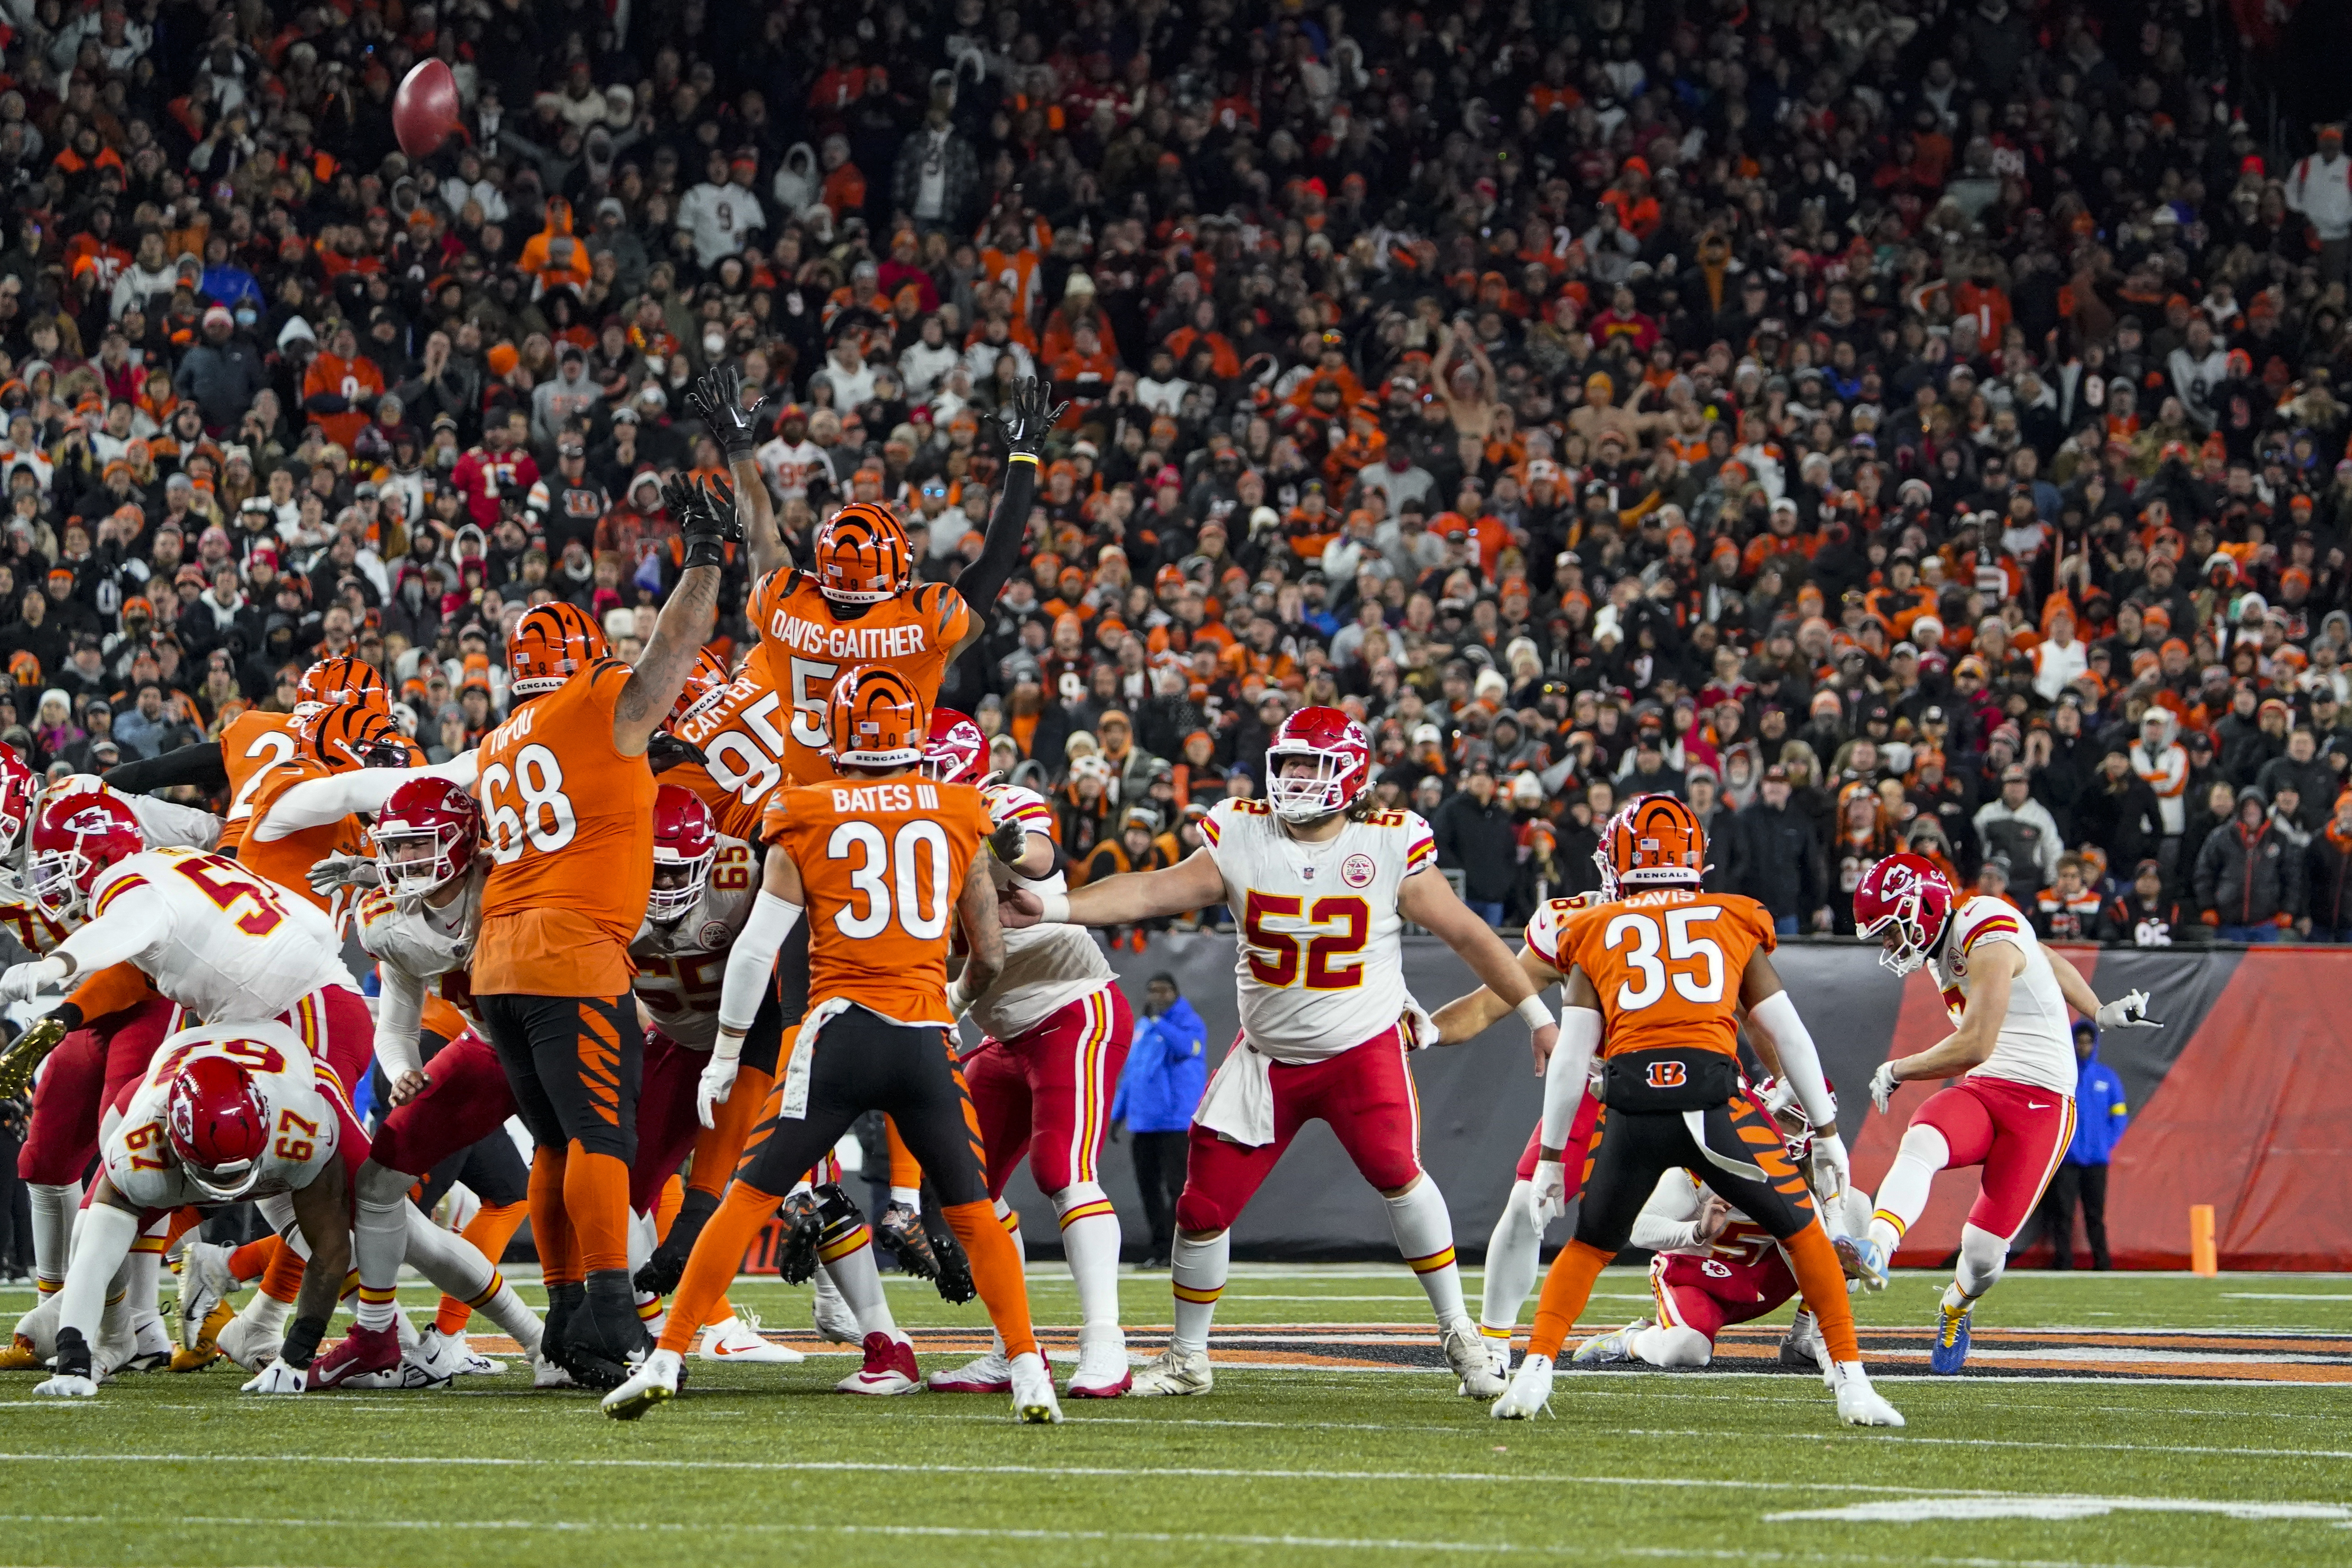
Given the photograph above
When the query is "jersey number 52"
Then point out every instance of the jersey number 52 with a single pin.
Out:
(1274, 954)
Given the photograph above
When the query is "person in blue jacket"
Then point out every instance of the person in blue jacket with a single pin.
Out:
(2100, 1118)
(1167, 1069)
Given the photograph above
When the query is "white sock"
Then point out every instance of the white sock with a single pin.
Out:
(1090, 1241)
(1983, 1255)
(860, 1284)
(94, 1278)
(1196, 1274)
(511, 1312)
(642, 1240)
(143, 1267)
(54, 1208)
(267, 1313)
(380, 1230)
(1664, 1344)
(1425, 1234)
(1010, 1218)
(1514, 1258)
(912, 1196)
(1903, 1193)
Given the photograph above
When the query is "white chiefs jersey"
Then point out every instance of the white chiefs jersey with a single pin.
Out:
(1319, 967)
(682, 964)
(221, 942)
(2035, 1045)
(423, 943)
(26, 920)
(791, 466)
(1047, 967)
(307, 1109)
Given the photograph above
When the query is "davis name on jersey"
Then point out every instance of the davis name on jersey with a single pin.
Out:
(1047, 967)
(1319, 965)
(214, 938)
(2035, 1045)
(307, 1108)
(681, 964)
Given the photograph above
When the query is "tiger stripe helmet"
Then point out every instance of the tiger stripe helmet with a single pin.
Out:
(551, 644)
(354, 736)
(876, 720)
(334, 681)
(709, 675)
(861, 554)
(1657, 840)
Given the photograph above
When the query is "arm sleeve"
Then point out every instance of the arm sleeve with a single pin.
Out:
(753, 959)
(164, 823)
(1798, 1056)
(1564, 1076)
(131, 927)
(199, 765)
(400, 1012)
(1000, 547)
(314, 803)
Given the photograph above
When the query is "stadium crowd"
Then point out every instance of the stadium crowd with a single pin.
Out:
(1894, 424)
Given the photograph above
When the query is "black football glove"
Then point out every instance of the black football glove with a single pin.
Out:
(665, 750)
(706, 517)
(1029, 417)
(717, 399)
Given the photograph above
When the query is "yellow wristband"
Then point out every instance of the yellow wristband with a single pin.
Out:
(1028, 457)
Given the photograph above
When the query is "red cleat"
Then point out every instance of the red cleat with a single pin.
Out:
(358, 1352)
(890, 1368)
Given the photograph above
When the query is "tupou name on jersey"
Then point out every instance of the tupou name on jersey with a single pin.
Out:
(852, 643)
(870, 798)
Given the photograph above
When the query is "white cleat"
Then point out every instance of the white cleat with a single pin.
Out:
(39, 1328)
(991, 1373)
(1103, 1370)
(152, 1340)
(249, 1345)
(545, 1373)
(1609, 1349)
(118, 1343)
(1466, 1353)
(67, 1387)
(1033, 1403)
(835, 1323)
(890, 1368)
(430, 1362)
(470, 1363)
(656, 1382)
(1173, 1372)
(204, 1283)
(739, 1339)
(1863, 1260)
(1858, 1404)
(1530, 1391)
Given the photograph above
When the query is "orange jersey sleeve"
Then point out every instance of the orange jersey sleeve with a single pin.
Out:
(254, 743)
(286, 861)
(115, 988)
(805, 643)
(881, 865)
(570, 821)
(1666, 964)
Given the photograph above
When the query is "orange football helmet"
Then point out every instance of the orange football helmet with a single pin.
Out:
(343, 679)
(708, 674)
(551, 644)
(861, 554)
(1657, 840)
(876, 720)
(354, 736)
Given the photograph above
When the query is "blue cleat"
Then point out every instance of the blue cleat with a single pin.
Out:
(1951, 1348)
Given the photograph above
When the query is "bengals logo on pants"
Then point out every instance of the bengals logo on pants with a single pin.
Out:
(1666, 1075)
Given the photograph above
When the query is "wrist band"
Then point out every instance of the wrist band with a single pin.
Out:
(302, 1343)
(1535, 1013)
(1029, 458)
(1057, 908)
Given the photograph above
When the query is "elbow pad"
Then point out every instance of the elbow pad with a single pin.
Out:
(1564, 1075)
(1798, 1059)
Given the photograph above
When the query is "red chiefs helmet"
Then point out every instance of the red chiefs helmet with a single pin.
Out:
(75, 838)
(1905, 904)
(1343, 759)
(684, 844)
(551, 644)
(1779, 1098)
(956, 751)
(19, 785)
(709, 675)
(861, 554)
(424, 108)
(1657, 840)
(875, 720)
(218, 1120)
(1604, 854)
(425, 837)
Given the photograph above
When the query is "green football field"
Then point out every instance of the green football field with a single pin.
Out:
(2107, 1419)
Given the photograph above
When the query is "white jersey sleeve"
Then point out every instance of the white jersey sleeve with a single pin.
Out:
(308, 1111)
(1047, 967)
(682, 964)
(231, 944)
(2036, 1046)
(1320, 967)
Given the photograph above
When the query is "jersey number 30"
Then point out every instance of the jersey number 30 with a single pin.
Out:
(895, 867)
(1698, 962)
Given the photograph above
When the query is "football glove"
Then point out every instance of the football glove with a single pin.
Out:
(717, 1079)
(665, 750)
(1831, 1173)
(1029, 417)
(24, 981)
(706, 518)
(2129, 1012)
(717, 399)
(1550, 1190)
(338, 871)
(1882, 1085)
(277, 1378)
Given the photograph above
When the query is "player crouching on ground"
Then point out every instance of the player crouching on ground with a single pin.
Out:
(2013, 1114)
(1655, 983)
(1324, 885)
(885, 863)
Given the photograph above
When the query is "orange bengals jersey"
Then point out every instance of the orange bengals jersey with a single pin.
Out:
(571, 826)
(1666, 962)
(881, 865)
(286, 861)
(805, 643)
(254, 743)
(741, 730)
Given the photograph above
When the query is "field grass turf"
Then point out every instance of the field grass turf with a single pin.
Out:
(1297, 1467)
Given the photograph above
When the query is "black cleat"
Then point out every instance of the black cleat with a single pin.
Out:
(605, 1340)
(662, 1271)
(804, 1227)
(901, 1229)
(955, 1269)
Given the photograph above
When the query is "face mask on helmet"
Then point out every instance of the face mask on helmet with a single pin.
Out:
(679, 882)
(1306, 794)
(425, 838)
